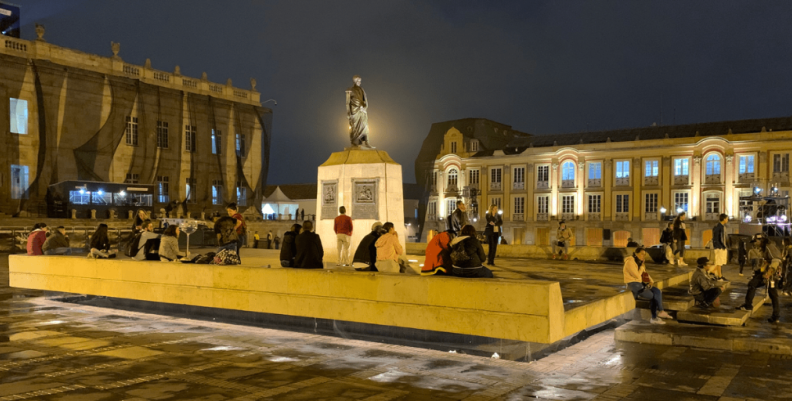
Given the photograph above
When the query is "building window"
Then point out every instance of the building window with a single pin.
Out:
(681, 171)
(680, 202)
(496, 201)
(746, 168)
(81, 197)
(595, 204)
(542, 207)
(451, 205)
(568, 175)
(453, 147)
(217, 192)
(191, 188)
(652, 169)
(474, 177)
(495, 178)
(19, 116)
(101, 198)
(568, 206)
(216, 141)
(651, 203)
(162, 134)
(452, 179)
(189, 138)
(131, 179)
(19, 181)
(241, 194)
(623, 203)
(474, 146)
(781, 165)
(543, 177)
(595, 174)
(131, 131)
(713, 169)
(519, 209)
(519, 177)
(431, 210)
(623, 172)
(712, 206)
(240, 145)
(163, 189)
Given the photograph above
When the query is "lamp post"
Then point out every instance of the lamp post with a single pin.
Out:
(270, 100)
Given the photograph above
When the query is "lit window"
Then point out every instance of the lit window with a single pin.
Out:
(241, 194)
(623, 169)
(19, 182)
(131, 131)
(191, 189)
(81, 197)
(19, 116)
(595, 171)
(190, 132)
(681, 167)
(474, 176)
(713, 164)
(681, 201)
(652, 169)
(747, 164)
(622, 203)
(452, 178)
(216, 141)
(240, 145)
(568, 171)
(163, 188)
(217, 192)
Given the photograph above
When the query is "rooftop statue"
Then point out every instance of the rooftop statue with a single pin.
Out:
(357, 111)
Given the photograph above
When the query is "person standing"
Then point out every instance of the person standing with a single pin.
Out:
(343, 229)
(563, 238)
(240, 227)
(667, 239)
(642, 286)
(457, 219)
(256, 239)
(36, 239)
(680, 236)
(767, 274)
(309, 249)
(493, 233)
(269, 239)
(57, 243)
(719, 245)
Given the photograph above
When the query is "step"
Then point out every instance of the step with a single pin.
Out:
(725, 315)
(675, 298)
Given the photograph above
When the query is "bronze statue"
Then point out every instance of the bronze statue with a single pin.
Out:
(357, 111)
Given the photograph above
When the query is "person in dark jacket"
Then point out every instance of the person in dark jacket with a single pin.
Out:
(768, 273)
(457, 219)
(704, 288)
(289, 250)
(309, 249)
(225, 228)
(493, 232)
(719, 245)
(680, 236)
(57, 243)
(473, 267)
(667, 239)
(367, 250)
(100, 244)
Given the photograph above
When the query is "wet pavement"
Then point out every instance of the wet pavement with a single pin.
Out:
(57, 351)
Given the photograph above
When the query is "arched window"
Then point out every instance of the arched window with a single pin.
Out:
(568, 174)
(713, 164)
(452, 178)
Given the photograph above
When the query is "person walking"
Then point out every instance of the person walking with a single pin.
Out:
(563, 238)
(309, 249)
(241, 228)
(270, 237)
(680, 236)
(719, 245)
(467, 244)
(289, 249)
(457, 219)
(493, 233)
(343, 229)
(642, 286)
(36, 239)
(57, 243)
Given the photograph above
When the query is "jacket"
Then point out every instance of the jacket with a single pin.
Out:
(771, 252)
(490, 229)
(632, 273)
(225, 228)
(679, 233)
(456, 221)
(144, 237)
(35, 241)
(667, 236)
(309, 251)
(366, 251)
(388, 247)
(169, 248)
(563, 234)
(438, 253)
(342, 225)
(55, 240)
(719, 236)
(473, 249)
(288, 250)
(701, 282)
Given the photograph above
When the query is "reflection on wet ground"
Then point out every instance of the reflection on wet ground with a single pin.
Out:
(56, 351)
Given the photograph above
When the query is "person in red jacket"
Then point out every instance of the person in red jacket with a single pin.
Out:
(36, 239)
(343, 229)
(438, 255)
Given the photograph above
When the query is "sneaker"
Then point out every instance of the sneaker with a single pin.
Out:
(742, 307)
(703, 305)
(657, 320)
(664, 315)
(741, 275)
(773, 320)
(681, 263)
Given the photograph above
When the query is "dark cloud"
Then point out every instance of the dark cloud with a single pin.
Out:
(542, 67)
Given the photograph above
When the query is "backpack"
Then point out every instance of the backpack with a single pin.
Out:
(204, 259)
(133, 245)
(151, 249)
(458, 254)
(226, 257)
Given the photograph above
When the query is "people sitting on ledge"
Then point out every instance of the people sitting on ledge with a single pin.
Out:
(631, 243)
(57, 243)
(148, 250)
(642, 286)
(309, 248)
(100, 244)
(390, 254)
(367, 249)
(704, 287)
(470, 262)
(438, 255)
(289, 250)
(169, 245)
(36, 239)
(225, 229)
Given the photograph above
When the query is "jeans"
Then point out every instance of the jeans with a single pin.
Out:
(556, 246)
(475, 272)
(653, 295)
(343, 248)
(757, 281)
(492, 240)
(679, 248)
(708, 296)
(59, 251)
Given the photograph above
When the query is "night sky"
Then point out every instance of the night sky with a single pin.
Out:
(541, 67)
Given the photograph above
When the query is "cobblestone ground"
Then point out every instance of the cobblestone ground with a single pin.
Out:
(55, 351)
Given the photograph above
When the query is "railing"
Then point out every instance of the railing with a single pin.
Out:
(746, 177)
(241, 94)
(712, 179)
(568, 216)
(623, 216)
(518, 185)
(567, 183)
(161, 76)
(711, 216)
(216, 88)
(518, 217)
(128, 69)
(14, 239)
(595, 216)
(651, 180)
(594, 182)
(681, 180)
(495, 186)
(12, 45)
(623, 181)
(189, 83)
(783, 176)
(651, 216)
(542, 217)
(542, 184)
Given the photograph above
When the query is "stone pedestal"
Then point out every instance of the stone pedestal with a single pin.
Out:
(369, 184)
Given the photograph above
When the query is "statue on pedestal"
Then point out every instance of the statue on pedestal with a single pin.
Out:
(357, 111)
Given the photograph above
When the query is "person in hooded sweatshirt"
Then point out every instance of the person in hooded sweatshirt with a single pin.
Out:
(289, 249)
(36, 239)
(472, 267)
(367, 249)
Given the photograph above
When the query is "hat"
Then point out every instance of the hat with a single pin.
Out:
(702, 261)
(562, 222)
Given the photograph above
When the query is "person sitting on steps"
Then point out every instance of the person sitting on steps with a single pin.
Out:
(642, 286)
(704, 288)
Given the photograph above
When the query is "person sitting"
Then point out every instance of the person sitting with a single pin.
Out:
(667, 239)
(390, 254)
(100, 244)
(169, 245)
(57, 243)
(631, 243)
(309, 248)
(704, 288)
(438, 255)
(225, 229)
(642, 286)
(289, 250)
(367, 249)
(768, 271)
(36, 239)
(145, 249)
(563, 239)
(473, 263)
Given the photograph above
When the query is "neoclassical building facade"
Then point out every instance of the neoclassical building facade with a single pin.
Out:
(610, 186)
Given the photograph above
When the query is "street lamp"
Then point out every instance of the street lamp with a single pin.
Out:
(270, 100)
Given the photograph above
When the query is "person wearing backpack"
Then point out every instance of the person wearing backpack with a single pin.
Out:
(145, 248)
(241, 228)
(468, 255)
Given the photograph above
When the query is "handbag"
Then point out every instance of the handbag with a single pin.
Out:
(458, 254)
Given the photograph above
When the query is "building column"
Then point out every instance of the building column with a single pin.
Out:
(637, 182)
(554, 212)
(665, 195)
(607, 185)
(581, 179)
(728, 189)
(507, 186)
(530, 184)
(695, 191)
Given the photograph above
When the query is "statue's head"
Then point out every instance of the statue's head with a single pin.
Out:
(356, 79)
